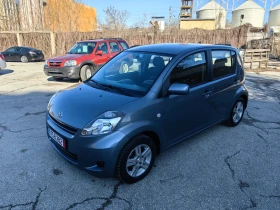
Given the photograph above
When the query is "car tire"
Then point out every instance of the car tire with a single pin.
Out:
(57, 78)
(236, 113)
(86, 72)
(124, 68)
(136, 159)
(24, 59)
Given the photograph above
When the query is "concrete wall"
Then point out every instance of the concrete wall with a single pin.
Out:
(196, 23)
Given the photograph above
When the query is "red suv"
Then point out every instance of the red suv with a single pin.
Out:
(84, 59)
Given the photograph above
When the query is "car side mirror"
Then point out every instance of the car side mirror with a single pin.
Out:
(178, 89)
(99, 52)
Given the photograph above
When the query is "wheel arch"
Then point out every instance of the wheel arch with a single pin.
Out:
(89, 63)
(245, 98)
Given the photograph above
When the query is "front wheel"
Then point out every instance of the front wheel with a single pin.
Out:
(23, 59)
(236, 113)
(86, 72)
(136, 159)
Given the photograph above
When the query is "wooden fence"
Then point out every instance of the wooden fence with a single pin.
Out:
(256, 55)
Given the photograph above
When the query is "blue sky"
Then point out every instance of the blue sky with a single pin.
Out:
(156, 7)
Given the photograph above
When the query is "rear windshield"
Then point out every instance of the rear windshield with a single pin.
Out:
(82, 48)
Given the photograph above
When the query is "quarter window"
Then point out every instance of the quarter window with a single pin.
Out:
(124, 45)
(191, 70)
(223, 63)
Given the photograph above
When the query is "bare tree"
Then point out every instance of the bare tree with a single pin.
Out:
(142, 22)
(115, 19)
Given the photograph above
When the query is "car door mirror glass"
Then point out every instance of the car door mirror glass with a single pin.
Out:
(178, 89)
(99, 52)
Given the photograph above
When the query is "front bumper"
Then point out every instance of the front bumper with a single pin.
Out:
(72, 72)
(39, 57)
(96, 155)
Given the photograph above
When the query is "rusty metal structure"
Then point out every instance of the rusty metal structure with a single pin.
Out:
(186, 9)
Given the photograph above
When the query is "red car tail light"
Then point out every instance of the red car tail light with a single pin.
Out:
(2, 57)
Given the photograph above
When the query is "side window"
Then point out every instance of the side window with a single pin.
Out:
(223, 63)
(12, 49)
(24, 50)
(124, 45)
(17, 49)
(103, 47)
(191, 70)
(114, 47)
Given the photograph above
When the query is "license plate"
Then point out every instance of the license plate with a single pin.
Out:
(57, 138)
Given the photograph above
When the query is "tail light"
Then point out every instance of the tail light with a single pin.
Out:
(2, 57)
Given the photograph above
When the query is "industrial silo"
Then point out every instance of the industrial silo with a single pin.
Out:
(248, 12)
(274, 17)
(213, 10)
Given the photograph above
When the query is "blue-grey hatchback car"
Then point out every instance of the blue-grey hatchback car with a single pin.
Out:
(143, 101)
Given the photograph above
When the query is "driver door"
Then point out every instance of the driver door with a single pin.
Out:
(100, 60)
(185, 115)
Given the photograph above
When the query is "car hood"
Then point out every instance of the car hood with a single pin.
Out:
(66, 57)
(78, 106)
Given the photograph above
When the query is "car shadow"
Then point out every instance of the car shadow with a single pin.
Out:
(65, 80)
(6, 71)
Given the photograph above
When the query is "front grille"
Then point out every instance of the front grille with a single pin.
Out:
(55, 64)
(63, 126)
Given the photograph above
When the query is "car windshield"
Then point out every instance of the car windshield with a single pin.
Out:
(82, 48)
(131, 73)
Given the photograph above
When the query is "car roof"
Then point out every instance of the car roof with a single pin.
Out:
(176, 48)
(102, 40)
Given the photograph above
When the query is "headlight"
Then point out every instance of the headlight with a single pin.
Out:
(46, 62)
(32, 53)
(105, 124)
(70, 63)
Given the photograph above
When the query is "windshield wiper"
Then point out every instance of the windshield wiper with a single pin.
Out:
(108, 87)
(96, 84)
(118, 89)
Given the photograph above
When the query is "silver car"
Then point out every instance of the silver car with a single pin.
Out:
(116, 122)
(2, 62)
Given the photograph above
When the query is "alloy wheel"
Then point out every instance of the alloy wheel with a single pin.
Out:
(237, 112)
(139, 160)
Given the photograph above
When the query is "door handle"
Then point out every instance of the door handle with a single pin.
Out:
(207, 93)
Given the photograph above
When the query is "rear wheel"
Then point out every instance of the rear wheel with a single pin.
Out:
(237, 113)
(87, 71)
(57, 78)
(136, 159)
(23, 59)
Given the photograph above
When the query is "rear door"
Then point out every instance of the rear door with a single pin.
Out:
(114, 48)
(8, 53)
(100, 60)
(225, 80)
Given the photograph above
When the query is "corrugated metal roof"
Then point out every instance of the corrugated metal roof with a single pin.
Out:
(249, 4)
(212, 5)
(276, 8)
